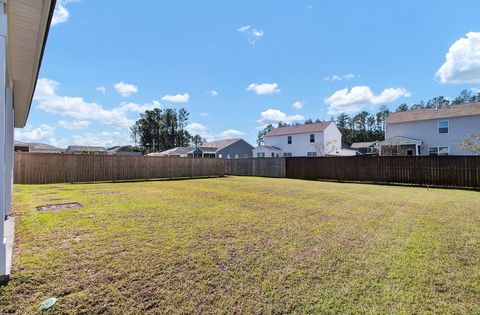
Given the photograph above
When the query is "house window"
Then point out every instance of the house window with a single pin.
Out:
(286, 154)
(311, 154)
(443, 126)
(312, 138)
(220, 156)
(260, 154)
(289, 139)
(438, 151)
(443, 150)
(236, 156)
(229, 156)
(273, 154)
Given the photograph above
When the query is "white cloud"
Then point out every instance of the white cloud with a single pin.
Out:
(101, 89)
(103, 138)
(243, 29)
(264, 88)
(79, 109)
(252, 33)
(271, 116)
(31, 134)
(126, 89)
(359, 97)
(179, 98)
(199, 129)
(61, 14)
(139, 108)
(231, 133)
(337, 77)
(212, 93)
(204, 114)
(74, 125)
(462, 62)
(298, 105)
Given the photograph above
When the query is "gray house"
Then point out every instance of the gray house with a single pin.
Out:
(82, 149)
(231, 148)
(430, 131)
(227, 148)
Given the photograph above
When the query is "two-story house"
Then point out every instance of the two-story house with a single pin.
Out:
(430, 131)
(319, 139)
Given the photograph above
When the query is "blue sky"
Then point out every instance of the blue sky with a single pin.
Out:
(237, 65)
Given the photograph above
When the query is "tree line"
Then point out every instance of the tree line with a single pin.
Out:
(367, 127)
(160, 130)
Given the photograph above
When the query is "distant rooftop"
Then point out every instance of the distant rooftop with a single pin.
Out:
(360, 145)
(434, 113)
(85, 148)
(221, 144)
(308, 128)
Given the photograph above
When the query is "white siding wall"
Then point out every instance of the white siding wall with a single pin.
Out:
(427, 131)
(267, 152)
(333, 139)
(300, 143)
(4, 140)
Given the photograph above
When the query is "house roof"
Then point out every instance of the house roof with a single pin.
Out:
(398, 140)
(208, 149)
(268, 147)
(175, 151)
(222, 144)
(308, 128)
(361, 145)
(28, 25)
(434, 113)
(85, 148)
(38, 146)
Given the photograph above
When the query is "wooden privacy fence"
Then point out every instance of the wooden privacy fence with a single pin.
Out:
(267, 167)
(450, 171)
(45, 168)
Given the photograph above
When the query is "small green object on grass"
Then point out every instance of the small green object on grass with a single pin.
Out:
(48, 303)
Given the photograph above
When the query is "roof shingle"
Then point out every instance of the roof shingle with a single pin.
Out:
(434, 113)
(308, 128)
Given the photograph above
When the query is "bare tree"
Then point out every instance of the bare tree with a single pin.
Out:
(472, 143)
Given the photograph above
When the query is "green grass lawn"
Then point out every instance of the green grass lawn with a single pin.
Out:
(246, 245)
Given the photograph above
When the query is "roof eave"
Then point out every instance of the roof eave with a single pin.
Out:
(23, 97)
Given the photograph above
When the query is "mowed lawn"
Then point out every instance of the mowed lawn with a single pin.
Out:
(245, 245)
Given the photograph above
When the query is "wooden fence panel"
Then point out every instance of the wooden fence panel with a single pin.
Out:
(448, 171)
(46, 168)
(267, 167)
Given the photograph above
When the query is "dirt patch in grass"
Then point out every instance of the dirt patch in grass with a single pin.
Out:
(60, 206)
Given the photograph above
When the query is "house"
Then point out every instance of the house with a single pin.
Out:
(81, 149)
(36, 147)
(366, 148)
(430, 131)
(24, 27)
(318, 139)
(180, 152)
(123, 151)
(231, 148)
(227, 148)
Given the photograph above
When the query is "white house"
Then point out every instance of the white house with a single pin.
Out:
(24, 26)
(430, 131)
(319, 139)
